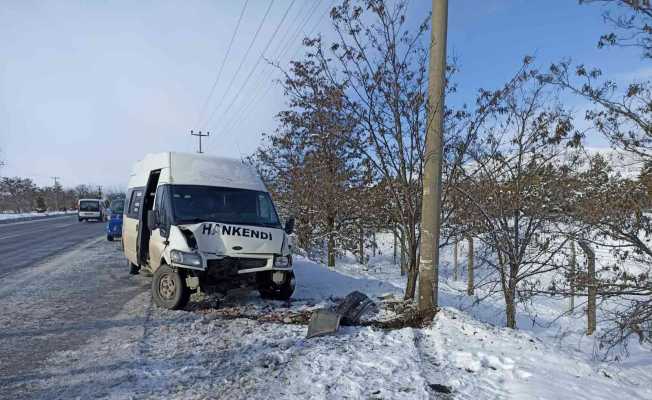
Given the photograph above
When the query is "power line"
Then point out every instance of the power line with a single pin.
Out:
(297, 32)
(268, 83)
(281, 49)
(263, 78)
(219, 73)
(297, 17)
(262, 55)
(314, 28)
(271, 3)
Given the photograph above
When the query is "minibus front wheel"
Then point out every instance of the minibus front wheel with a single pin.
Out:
(169, 288)
(275, 285)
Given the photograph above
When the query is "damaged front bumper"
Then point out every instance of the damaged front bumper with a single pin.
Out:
(230, 265)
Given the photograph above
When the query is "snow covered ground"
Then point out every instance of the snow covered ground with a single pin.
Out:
(227, 353)
(31, 215)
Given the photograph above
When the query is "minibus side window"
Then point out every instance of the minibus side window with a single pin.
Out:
(134, 203)
(127, 201)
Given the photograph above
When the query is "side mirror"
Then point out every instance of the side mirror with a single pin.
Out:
(152, 219)
(289, 225)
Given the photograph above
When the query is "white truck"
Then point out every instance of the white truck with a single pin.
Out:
(204, 223)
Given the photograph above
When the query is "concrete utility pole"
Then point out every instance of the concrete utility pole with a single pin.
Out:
(56, 191)
(431, 204)
(200, 135)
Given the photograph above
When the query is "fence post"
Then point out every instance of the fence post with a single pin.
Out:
(591, 288)
(470, 284)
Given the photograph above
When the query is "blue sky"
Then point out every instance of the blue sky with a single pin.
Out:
(88, 87)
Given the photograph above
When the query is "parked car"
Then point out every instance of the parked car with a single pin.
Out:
(114, 226)
(91, 209)
(200, 222)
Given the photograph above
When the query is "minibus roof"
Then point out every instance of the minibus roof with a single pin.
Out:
(196, 169)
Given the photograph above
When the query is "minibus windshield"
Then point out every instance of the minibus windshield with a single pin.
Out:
(89, 206)
(192, 204)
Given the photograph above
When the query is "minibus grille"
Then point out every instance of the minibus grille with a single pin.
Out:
(236, 263)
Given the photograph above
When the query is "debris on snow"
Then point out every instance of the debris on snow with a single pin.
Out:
(323, 322)
(354, 307)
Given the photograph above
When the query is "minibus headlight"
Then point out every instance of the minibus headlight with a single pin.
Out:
(181, 257)
(281, 261)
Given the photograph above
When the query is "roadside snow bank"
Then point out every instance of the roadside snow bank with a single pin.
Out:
(316, 281)
(16, 217)
(482, 361)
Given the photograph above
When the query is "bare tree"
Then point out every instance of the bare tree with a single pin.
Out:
(517, 184)
(382, 66)
(380, 63)
(614, 210)
(621, 116)
(631, 21)
(17, 194)
(312, 168)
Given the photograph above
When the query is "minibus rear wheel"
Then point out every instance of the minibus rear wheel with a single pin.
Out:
(169, 288)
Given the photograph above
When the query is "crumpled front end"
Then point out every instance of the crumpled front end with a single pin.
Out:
(227, 250)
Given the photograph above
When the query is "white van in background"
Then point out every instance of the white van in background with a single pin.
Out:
(91, 209)
(205, 223)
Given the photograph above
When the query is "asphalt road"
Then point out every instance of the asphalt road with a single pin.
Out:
(26, 243)
(61, 283)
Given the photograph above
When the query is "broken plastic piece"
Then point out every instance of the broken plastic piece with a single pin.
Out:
(354, 306)
(323, 322)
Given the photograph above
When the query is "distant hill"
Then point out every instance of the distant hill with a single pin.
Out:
(626, 164)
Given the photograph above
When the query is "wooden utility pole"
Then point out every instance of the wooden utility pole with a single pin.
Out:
(431, 203)
(200, 135)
